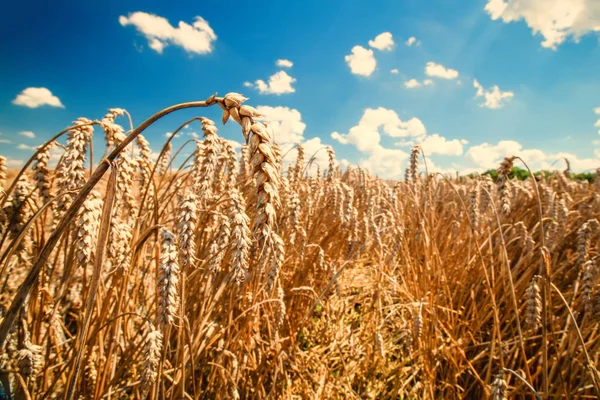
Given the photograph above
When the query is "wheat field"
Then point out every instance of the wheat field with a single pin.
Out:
(234, 276)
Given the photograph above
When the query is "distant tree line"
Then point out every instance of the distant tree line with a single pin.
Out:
(523, 174)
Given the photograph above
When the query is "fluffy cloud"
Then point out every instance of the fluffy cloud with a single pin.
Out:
(361, 61)
(14, 163)
(366, 135)
(577, 164)
(392, 124)
(597, 124)
(374, 124)
(312, 148)
(287, 128)
(235, 144)
(488, 156)
(56, 154)
(493, 98)
(197, 38)
(339, 137)
(555, 20)
(284, 63)
(436, 144)
(284, 123)
(5, 141)
(26, 147)
(383, 41)
(34, 97)
(439, 71)
(412, 41)
(386, 163)
(413, 83)
(27, 134)
(395, 71)
(279, 83)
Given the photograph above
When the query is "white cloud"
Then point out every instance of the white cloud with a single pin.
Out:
(34, 97)
(386, 163)
(366, 135)
(279, 83)
(235, 144)
(494, 98)
(597, 124)
(196, 38)
(412, 40)
(488, 156)
(597, 110)
(156, 45)
(312, 148)
(361, 61)
(55, 154)
(395, 71)
(27, 134)
(284, 123)
(555, 20)
(436, 144)
(413, 83)
(433, 167)
(392, 124)
(14, 163)
(384, 41)
(339, 137)
(5, 141)
(577, 164)
(248, 84)
(284, 63)
(26, 147)
(439, 71)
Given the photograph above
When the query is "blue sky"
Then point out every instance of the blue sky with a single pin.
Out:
(536, 67)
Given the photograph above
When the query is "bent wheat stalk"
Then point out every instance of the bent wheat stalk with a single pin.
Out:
(590, 365)
(33, 274)
(100, 249)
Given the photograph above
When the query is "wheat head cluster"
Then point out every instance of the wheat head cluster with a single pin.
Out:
(234, 276)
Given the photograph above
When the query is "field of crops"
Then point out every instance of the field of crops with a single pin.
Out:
(232, 275)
